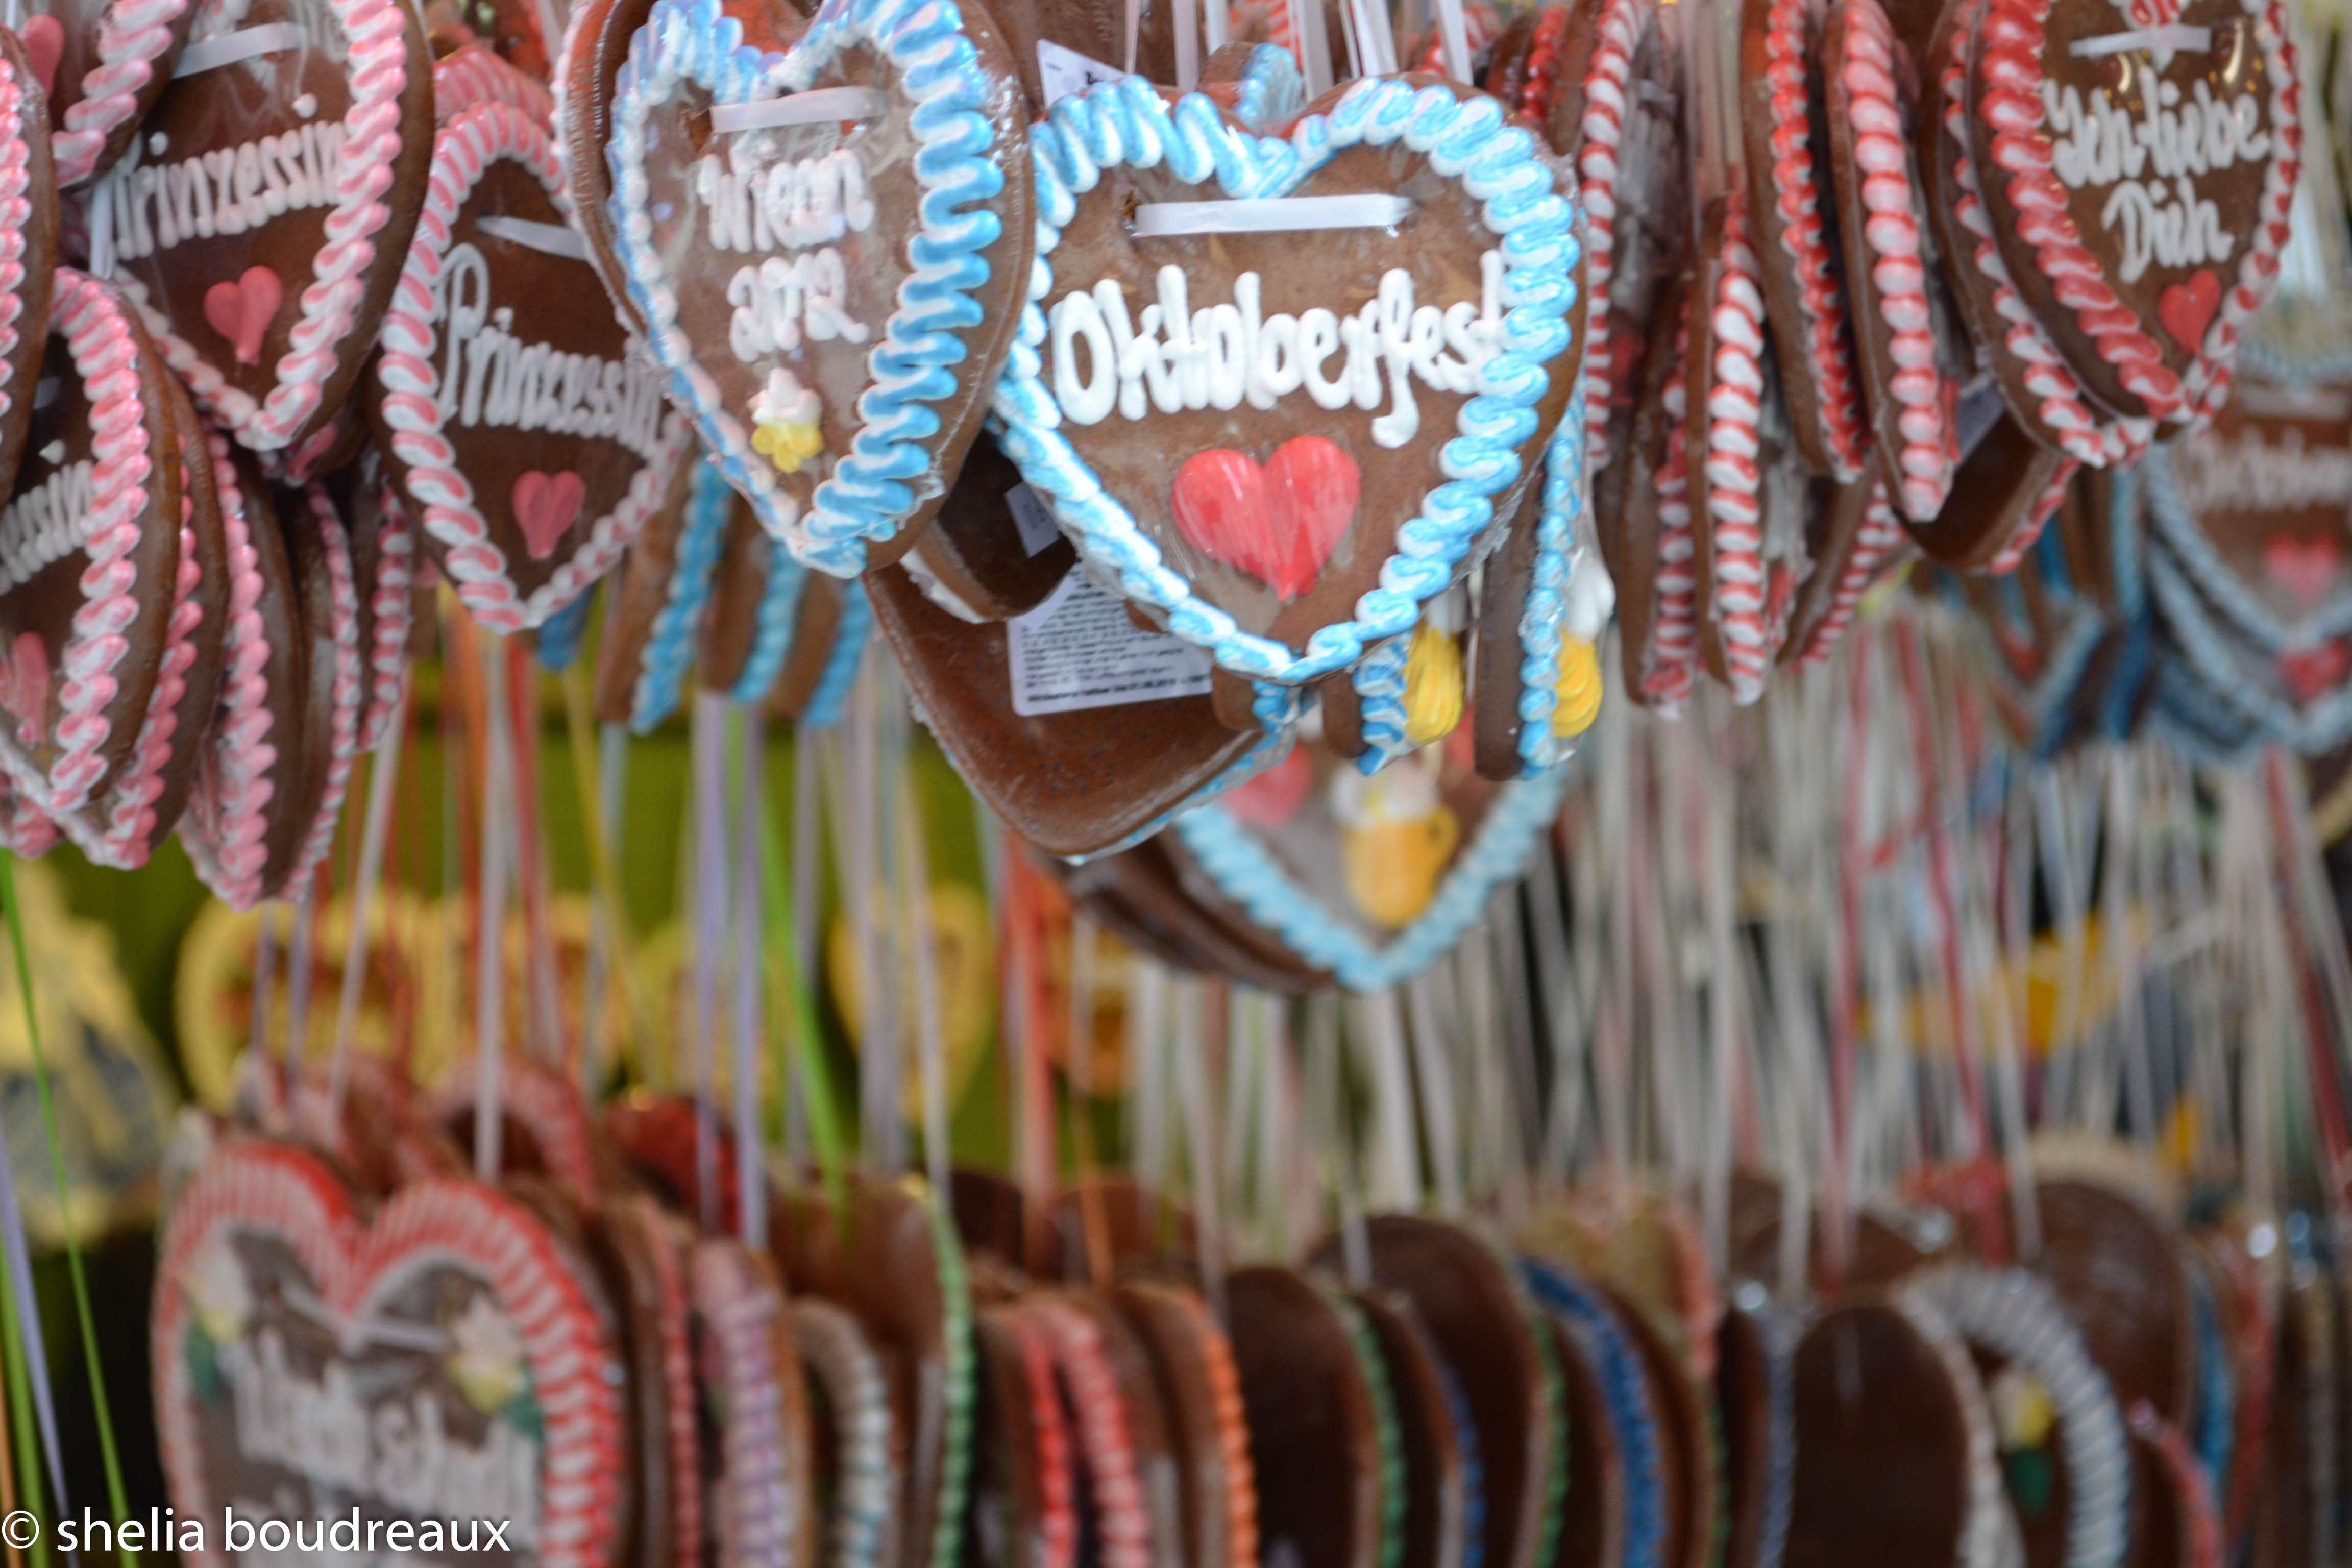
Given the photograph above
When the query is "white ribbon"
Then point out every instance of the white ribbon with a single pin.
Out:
(547, 238)
(813, 108)
(2172, 39)
(1162, 220)
(211, 53)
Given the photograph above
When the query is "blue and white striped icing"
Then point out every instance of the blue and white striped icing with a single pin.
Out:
(831, 697)
(1127, 123)
(669, 648)
(1238, 861)
(1594, 1331)
(938, 85)
(558, 642)
(2217, 1383)
(1269, 93)
(771, 640)
(2018, 1316)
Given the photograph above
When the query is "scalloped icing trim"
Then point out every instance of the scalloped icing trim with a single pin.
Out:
(670, 644)
(1625, 1393)
(2018, 1317)
(15, 213)
(132, 36)
(343, 728)
(1245, 872)
(2192, 1489)
(937, 72)
(757, 1505)
(830, 698)
(1734, 414)
(1987, 1527)
(771, 642)
(1075, 1343)
(2037, 518)
(106, 352)
(1892, 227)
(1671, 665)
(474, 73)
(1608, 83)
(1563, 554)
(1828, 340)
(2010, 108)
(1874, 543)
(865, 1488)
(223, 826)
(1465, 139)
(378, 64)
(462, 152)
(392, 614)
(1270, 89)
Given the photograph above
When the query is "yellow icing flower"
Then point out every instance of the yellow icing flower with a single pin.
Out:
(1432, 685)
(1397, 837)
(784, 421)
(218, 1297)
(2023, 1408)
(1578, 690)
(486, 1363)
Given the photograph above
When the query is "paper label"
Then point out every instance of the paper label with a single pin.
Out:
(1062, 72)
(1031, 521)
(1079, 649)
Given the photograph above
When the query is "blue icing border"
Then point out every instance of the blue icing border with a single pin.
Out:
(867, 496)
(558, 643)
(1270, 91)
(669, 649)
(1245, 872)
(2216, 1390)
(1276, 711)
(1127, 123)
(1380, 683)
(2179, 533)
(826, 703)
(1626, 1388)
(771, 644)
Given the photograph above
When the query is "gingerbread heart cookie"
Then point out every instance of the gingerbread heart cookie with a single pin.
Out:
(2137, 162)
(1289, 536)
(261, 216)
(101, 64)
(28, 245)
(383, 569)
(90, 551)
(827, 246)
(531, 443)
(327, 614)
(452, 1338)
(994, 550)
(1859, 539)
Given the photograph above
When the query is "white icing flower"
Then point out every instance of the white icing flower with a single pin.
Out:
(1406, 790)
(785, 417)
(218, 1293)
(1591, 595)
(486, 1365)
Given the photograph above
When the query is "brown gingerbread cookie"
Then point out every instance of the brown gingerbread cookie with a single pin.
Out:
(1642, 506)
(657, 599)
(308, 124)
(1857, 537)
(1593, 1531)
(758, 1473)
(1421, 1392)
(327, 618)
(993, 551)
(29, 245)
(101, 64)
(1314, 1448)
(383, 571)
(1201, 1398)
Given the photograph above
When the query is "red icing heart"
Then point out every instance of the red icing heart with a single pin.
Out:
(544, 505)
(281, 1313)
(44, 38)
(241, 311)
(2304, 568)
(25, 687)
(1277, 522)
(1274, 798)
(2317, 670)
(2184, 309)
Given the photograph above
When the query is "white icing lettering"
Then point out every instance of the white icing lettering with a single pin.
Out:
(224, 192)
(2241, 472)
(788, 205)
(777, 302)
(2147, 162)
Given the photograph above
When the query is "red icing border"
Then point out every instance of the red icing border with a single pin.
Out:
(131, 37)
(1671, 665)
(15, 213)
(1608, 80)
(1874, 543)
(1734, 414)
(392, 614)
(2045, 506)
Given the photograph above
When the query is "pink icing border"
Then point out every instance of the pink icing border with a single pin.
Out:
(392, 610)
(106, 354)
(378, 64)
(223, 826)
(1673, 621)
(25, 830)
(1874, 543)
(1123, 1520)
(132, 36)
(1891, 228)
(1608, 80)
(1828, 343)
(15, 213)
(462, 151)
(2010, 108)
(475, 73)
(343, 601)
(127, 836)
(2045, 506)
(1734, 414)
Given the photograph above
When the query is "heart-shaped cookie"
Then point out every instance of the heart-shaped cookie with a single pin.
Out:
(530, 442)
(830, 296)
(103, 63)
(451, 1339)
(383, 569)
(29, 245)
(261, 214)
(90, 550)
(1391, 344)
(2138, 171)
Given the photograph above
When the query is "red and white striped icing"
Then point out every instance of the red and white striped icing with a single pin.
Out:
(2045, 506)
(343, 599)
(1057, 1489)
(1673, 661)
(1233, 1430)
(1122, 1521)
(473, 73)
(392, 612)
(286, 1196)
(1891, 227)
(106, 351)
(1735, 395)
(1542, 68)
(544, 1103)
(378, 64)
(679, 1414)
(1874, 543)
(1797, 199)
(226, 820)
(2192, 1492)
(1608, 85)
(16, 217)
(462, 152)
(2010, 104)
(132, 35)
